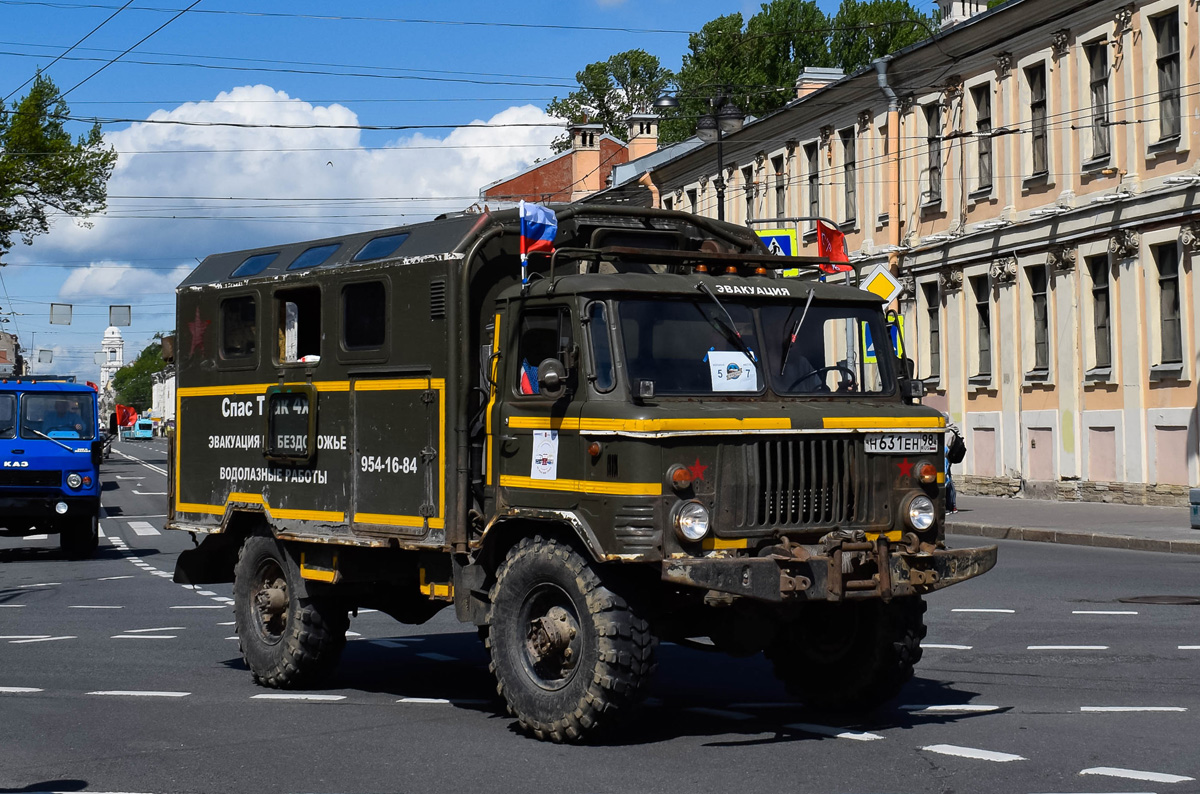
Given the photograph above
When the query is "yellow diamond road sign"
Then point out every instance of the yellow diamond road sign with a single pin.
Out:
(881, 282)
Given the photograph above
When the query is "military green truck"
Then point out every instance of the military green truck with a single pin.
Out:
(654, 438)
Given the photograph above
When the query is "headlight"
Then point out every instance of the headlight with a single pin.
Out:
(74, 480)
(920, 513)
(691, 520)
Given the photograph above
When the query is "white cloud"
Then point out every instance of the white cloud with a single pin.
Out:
(120, 280)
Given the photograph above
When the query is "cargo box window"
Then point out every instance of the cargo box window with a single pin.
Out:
(239, 327)
(381, 247)
(255, 264)
(290, 423)
(543, 335)
(58, 416)
(299, 330)
(8, 415)
(364, 315)
(314, 256)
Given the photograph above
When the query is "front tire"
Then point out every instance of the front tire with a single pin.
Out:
(288, 642)
(78, 538)
(851, 656)
(570, 656)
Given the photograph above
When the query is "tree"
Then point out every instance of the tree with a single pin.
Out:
(42, 171)
(611, 90)
(865, 30)
(133, 383)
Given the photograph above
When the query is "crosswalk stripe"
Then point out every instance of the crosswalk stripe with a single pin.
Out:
(143, 528)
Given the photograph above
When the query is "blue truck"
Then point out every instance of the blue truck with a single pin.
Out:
(50, 453)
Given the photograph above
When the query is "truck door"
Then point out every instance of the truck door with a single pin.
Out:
(536, 442)
(399, 474)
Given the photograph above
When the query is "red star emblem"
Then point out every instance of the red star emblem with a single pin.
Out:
(697, 470)
(197, 327)
(905, 468)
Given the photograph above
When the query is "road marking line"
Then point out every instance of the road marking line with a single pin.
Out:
(995, 611)
(388, 643)
(365, 611)
(113, 578)
(36, 537)
(723, 713)
(946, 708)
(42, 639)
(21, 606)
(837, 733)
(946, 647)
(281, 696)
(205, 592)
(150, 493)
(148, 631)
(201, 606)
(353, 634)
(1067, 648)
(149, 466)
(24, 636)
(438, 657)
(1103, 612)
(224, 599)
(19, 690)
(974, 753)
(165, 574)
(144, 527)
(1134, 774)
(93, 606)
(1181, 647)
(234, 637)
(142, 637)
(1122, 709)
(40, 584)
(228, 623)
(425, 701)
(140, 693)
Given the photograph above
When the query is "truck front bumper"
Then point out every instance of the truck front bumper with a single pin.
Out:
(39, 508)
(817, 574)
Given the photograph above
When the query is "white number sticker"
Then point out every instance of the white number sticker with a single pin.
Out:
(389, 464)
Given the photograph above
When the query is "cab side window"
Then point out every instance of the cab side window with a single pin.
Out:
(298, 335)
(239, 327)
(543, 335)
(364, 315)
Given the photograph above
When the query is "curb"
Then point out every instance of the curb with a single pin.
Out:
(1074, 538)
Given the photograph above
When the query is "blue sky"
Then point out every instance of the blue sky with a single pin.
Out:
(183, 191)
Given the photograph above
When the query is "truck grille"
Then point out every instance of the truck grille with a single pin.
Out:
(807, 481)
(30, 478)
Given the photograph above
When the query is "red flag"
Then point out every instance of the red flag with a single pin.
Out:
(831, 244)
(126, 415)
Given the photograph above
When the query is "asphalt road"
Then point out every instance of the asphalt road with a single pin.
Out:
(1036, 678)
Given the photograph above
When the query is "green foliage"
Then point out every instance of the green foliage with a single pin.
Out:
(42, 171)
(133, 384)
(865, 30)
(609, 91)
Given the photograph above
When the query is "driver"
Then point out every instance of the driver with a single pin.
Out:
(64, 417)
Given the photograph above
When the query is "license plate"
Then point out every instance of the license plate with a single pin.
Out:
(901, 443)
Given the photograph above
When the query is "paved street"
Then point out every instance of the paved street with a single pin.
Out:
(1037, 678)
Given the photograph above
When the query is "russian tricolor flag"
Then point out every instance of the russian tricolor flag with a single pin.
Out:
(538, 227)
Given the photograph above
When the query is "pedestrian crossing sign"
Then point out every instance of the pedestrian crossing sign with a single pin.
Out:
(781, 242)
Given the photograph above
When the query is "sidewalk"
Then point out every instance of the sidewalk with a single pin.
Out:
(1078, 523)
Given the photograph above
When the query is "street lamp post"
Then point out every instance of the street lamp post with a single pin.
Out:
(725, 119)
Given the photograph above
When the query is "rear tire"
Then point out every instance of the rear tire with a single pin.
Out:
(570, 656)
(851, 656)
(78, 538)
(287, 642)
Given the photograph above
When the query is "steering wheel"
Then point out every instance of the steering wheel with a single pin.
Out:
(817, 373)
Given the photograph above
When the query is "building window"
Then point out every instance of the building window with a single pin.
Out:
(668, 203)
(1041, 320)
(1166, 31)
(982, 99)
(1166, 257)
(814, 181)
(850, 173)
(1097, 58)
(884, 200)
(748, 183)
(983, 325)
(1101, 314)
(780, 187)
(933, 127)
(1035, 76)
(934, 316)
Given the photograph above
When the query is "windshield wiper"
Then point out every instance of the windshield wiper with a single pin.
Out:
(789, 343)
(55, 440)
(730, 324)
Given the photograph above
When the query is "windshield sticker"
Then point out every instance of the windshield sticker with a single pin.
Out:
(741, 289)
(545, 455)
(732, 370)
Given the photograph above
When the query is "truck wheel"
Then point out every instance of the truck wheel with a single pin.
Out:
(288, 642)
(851, 656)
(79, 537)
(569, 655)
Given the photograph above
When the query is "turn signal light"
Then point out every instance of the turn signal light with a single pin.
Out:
(927, 472)
(594, 449)
(680, 477)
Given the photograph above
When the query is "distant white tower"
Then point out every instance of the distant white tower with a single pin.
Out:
(114, 355)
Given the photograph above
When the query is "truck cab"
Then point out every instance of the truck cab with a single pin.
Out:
(49, 463)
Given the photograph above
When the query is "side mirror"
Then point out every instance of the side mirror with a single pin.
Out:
(912, 389)
(552, 378)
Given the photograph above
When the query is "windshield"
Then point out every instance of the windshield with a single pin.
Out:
(8, 415)
(58, 416)
(687, 348)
